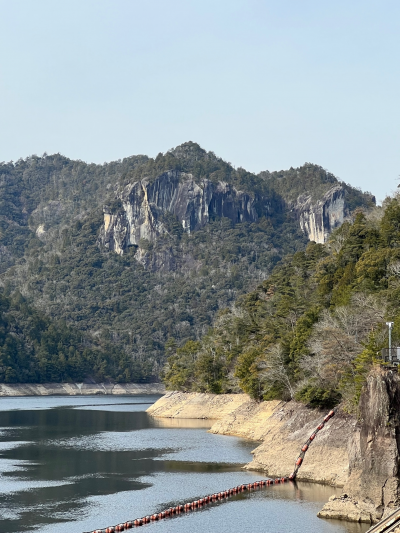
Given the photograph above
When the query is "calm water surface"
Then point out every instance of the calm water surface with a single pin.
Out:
(73, 464)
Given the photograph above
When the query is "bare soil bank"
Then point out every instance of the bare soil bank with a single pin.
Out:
(79, 389)
(283, 427)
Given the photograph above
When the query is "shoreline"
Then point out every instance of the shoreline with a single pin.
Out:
(79, 389)
(282, 428)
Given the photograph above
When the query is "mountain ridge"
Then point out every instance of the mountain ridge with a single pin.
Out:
(167, 285)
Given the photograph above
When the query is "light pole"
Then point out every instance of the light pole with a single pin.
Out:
(390, 325)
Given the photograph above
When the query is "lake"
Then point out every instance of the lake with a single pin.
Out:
(75, 464)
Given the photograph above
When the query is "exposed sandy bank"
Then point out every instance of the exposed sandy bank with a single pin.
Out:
(282, 427)
(196, 405)
(79, 389)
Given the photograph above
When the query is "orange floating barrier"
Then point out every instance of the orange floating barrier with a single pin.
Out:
(218, 496)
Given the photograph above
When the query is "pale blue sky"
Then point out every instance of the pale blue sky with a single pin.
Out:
(264, 84)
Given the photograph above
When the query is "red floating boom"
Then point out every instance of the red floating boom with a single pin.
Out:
(305, 447)
(191, 506)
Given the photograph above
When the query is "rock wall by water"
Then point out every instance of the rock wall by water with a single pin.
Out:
(79, 389)
(373, 487)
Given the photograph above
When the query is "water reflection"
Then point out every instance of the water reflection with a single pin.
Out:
(75, 464)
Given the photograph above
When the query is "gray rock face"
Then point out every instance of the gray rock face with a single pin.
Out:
(318, 219)
(373, 486)
(144, 204)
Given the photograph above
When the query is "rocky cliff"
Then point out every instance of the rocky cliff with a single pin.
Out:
(373, 486)
(319, 219)
(146, 203)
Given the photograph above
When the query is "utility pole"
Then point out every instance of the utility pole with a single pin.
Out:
(390, 325)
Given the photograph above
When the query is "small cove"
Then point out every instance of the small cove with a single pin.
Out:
(73, 464)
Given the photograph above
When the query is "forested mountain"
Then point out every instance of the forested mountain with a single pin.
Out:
(124, 261)
(312, 330)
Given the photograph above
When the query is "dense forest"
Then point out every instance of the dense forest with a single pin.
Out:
(36, 349)
(312, 330)
(112, 318)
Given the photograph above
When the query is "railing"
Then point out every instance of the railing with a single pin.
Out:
(390, 523)
(391, 355)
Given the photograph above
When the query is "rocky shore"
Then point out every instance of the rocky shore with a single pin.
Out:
(79, 389)
(361, 455)
(280, 428)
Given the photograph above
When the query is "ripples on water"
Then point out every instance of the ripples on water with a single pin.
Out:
(73, 464)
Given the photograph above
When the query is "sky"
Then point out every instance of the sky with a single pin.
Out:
(265, 84)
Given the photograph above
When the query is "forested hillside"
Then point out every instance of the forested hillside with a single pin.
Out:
(312, 330)
(37, 349)
(121, 314)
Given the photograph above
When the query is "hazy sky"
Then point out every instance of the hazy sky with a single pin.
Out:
(265, 84)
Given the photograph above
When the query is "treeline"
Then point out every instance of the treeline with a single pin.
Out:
(313, 329)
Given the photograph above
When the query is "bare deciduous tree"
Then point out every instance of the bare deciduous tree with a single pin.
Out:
(338, 338)
(273, 370)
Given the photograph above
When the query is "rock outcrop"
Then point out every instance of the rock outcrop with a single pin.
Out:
(373, 488)
(319, 219)
(145, 204)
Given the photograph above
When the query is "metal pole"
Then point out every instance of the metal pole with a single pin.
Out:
(390, 324)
